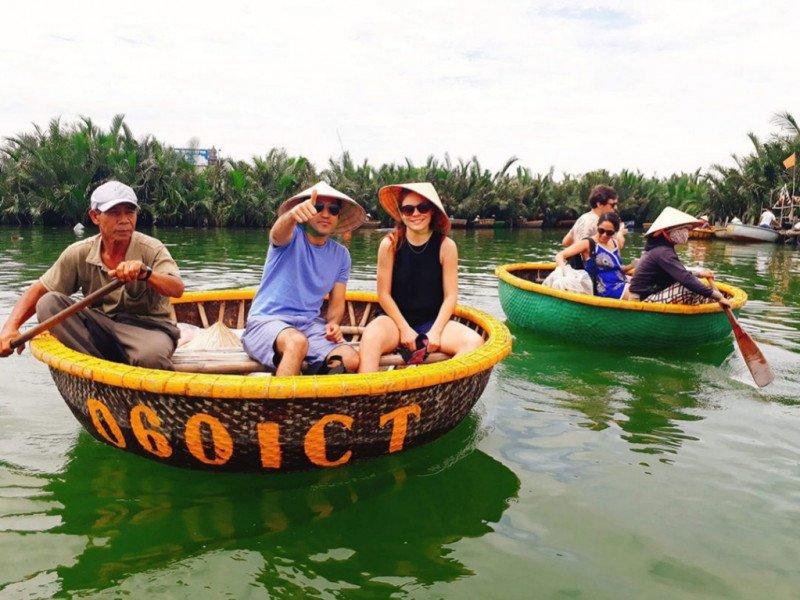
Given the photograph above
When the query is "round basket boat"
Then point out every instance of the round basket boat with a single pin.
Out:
(249, 423)
(591, 319)
(701, 234)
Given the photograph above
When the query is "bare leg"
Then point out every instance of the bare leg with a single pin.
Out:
(293, 347)
(457, 339)
(380, 336)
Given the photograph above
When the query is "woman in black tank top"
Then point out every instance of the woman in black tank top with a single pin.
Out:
(417, 279)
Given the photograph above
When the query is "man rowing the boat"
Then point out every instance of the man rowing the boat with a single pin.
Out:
(135, 323)
(284, 326)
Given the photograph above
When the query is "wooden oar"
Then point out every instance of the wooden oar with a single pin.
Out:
(753, 357)
(66, 313)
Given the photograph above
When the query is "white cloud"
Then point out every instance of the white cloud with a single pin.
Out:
(579, 85)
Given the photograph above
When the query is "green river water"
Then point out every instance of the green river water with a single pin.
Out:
(583, 472)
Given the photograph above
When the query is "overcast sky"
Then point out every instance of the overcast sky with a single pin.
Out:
(655, 86)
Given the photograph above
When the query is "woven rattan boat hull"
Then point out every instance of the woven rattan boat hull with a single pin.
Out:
(626, 324)
(257, 434)
(241, 423)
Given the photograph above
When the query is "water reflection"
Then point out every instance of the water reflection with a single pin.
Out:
(613, 387)
(390, 518)
(572, 422)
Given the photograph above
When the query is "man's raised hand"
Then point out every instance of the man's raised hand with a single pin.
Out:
(305, 211)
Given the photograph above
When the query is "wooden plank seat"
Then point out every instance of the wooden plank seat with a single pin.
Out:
(235, 362)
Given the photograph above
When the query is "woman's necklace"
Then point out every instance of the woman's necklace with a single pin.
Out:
(422, 247)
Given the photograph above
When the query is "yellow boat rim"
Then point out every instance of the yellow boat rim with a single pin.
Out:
(506, 273)
(497, 346)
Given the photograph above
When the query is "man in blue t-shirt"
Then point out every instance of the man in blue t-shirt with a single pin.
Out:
(284, 325)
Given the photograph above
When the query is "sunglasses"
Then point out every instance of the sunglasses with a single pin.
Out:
(333, 209)
(423, 208)
(608, 232)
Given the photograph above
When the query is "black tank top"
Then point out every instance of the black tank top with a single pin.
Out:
(417, 280)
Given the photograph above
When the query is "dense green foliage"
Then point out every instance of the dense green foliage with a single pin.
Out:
(743, 190)
(47, 175)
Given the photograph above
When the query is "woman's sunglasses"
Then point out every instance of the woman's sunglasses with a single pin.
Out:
(608, 232)
(333, 209)
(422, 208)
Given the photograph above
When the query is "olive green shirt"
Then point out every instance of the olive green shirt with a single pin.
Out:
(80, 267)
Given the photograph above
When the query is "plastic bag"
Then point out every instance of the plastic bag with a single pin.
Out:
(569, 280)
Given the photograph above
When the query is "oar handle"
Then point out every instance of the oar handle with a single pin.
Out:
(729, 313)
(68, 312)
(726, 309)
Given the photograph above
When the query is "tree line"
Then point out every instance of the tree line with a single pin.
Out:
(47, 174)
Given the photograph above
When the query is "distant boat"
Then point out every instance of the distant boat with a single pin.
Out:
(703, 233)
(749, 233)
(458, 223)
(483, 223)
(530, 224)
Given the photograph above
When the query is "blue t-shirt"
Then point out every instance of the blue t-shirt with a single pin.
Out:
(298, 275)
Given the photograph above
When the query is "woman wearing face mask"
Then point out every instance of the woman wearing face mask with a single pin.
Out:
(417, 282)
(660, 275)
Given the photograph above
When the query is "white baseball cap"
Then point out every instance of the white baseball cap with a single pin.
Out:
(112, 193)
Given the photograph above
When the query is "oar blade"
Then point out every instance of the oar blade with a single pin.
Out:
(753, 357)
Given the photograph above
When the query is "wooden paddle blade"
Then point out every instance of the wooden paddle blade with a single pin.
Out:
(753, 357)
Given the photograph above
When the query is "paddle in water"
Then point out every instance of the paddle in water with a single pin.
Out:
(753, 357)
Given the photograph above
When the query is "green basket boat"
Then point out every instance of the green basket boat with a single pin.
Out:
(527, 303)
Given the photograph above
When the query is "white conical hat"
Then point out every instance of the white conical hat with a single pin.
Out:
(390, 196)
(671, 217)
(351, 217)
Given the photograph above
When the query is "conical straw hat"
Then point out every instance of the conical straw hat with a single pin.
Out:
(671, 217)
(351, 217)
(390, 197)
